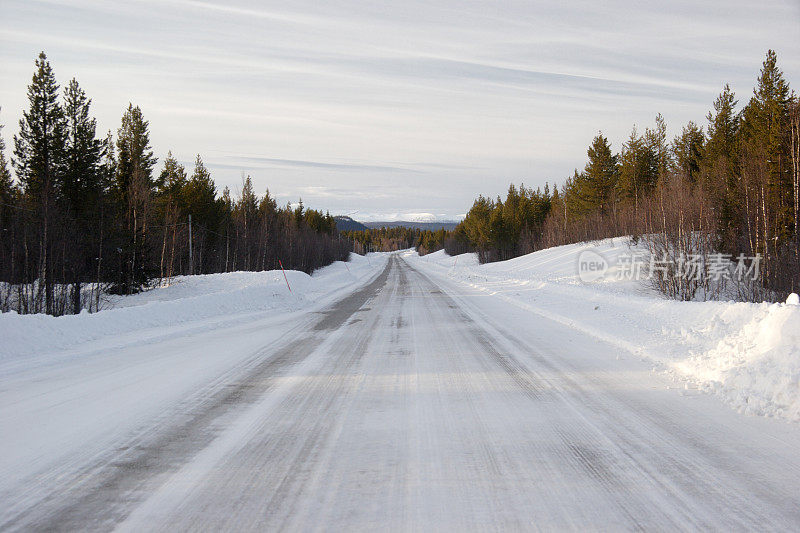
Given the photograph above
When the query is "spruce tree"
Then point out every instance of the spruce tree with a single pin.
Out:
(225, 205)
(39, 146)
(246, 213)
(723, 125)
(7, 215)
(637, 169)
(171, 208)
(108, 165)
(171, 182)
(200, 195)
(599, 178)
(135, 160)
(656, 140)
(6, 182)
(687, 151)
(104, 215)
(39, 161)
(719, 170)
(83, 184)
(765, 132)
(476, 224)
(8, 200)
(134, 187)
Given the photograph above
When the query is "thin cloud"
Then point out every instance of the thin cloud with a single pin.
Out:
(401, 107)
(273, 161)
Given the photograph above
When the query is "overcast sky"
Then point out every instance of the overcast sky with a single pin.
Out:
(390, 108)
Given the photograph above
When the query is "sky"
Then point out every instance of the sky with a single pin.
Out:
(393, 110)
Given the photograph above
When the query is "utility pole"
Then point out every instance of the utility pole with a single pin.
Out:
(191, 256)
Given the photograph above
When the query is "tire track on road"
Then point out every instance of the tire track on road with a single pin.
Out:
(102, 495)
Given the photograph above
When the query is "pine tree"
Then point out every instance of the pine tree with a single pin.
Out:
(200, 195)
(108, 165)
(135, 159)
(723, 126)
(39, 146)
(268, 206)
(248, 201)
(476, 224)
(794, 144)
(245, 214)
(687, 151)
(104, 215)
(83, 184)
(226, 200)
(7, 215)
(201, 189)
(719, 170)
(571, 197)
(298, 212)
(225, 205)
(134, 187)
(656, 140)
(637, 169)
(599, 179)
(171, 182)
(7, 191)
(171, 208)
(39, 161)
(765, 136)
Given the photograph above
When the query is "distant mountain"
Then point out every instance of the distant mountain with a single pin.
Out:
(345, 223)
(433, 226)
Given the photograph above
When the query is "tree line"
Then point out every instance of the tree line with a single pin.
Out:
(398, 238)
(88, 214)
(730, 186)
(498, 230)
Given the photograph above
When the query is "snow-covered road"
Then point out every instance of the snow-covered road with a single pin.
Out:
(413, 403)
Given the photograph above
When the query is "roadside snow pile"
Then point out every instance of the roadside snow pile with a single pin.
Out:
(749, 354)
(189, 299)
(757, 366)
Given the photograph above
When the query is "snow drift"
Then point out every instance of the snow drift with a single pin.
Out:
(195, 300)
(748, 354)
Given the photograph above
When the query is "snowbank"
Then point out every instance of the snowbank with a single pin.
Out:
(189, 299)
(749, 354)
(756, 364)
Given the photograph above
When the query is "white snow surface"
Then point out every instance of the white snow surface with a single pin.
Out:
(748, 354)
(450, 395)
(75, 387)
(188, 300)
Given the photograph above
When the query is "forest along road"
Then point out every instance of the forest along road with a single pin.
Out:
(413, 404)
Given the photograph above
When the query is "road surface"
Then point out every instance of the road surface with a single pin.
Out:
(415, 405)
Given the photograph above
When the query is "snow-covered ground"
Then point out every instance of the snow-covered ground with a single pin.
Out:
(404, 393)
(73, 389)
(748, 354)
(199, 301)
